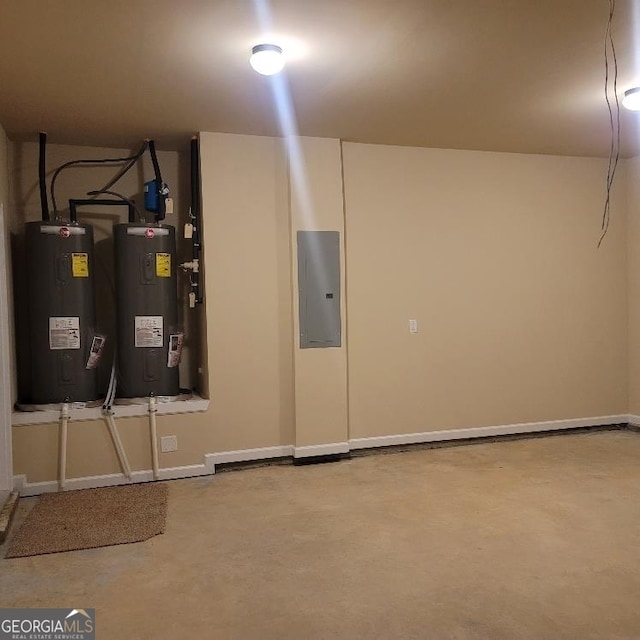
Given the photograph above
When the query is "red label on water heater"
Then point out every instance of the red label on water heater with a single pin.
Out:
(64, 232)
(149, 233)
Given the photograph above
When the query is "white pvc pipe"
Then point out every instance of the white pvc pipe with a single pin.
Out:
(108, 400)
(117, 443)
(62, 452)
(154, 437)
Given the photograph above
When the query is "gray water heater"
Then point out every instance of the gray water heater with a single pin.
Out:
(61, 313)
(149, 339)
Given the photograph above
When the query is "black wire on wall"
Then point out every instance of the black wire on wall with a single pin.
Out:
(130, 160)
(614, 116)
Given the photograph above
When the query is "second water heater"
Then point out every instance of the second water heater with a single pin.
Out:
(149, 338)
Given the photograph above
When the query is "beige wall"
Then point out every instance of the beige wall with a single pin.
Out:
(320, 374)
(7, 362)
(248, 279)
(633, 241)
(249, 362)
(8, 222)
(4, 167)
(90, 450)
(521, 317)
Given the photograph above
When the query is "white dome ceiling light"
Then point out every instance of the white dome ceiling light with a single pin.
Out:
(267, 59)
(631, 99)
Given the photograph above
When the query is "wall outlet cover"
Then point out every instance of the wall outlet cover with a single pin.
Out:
(168, 443)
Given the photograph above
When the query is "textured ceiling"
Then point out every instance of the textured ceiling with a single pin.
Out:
(506, 75)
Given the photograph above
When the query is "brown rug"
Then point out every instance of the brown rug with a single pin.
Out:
(91, 518)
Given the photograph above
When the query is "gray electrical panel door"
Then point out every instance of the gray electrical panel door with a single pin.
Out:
(319, 288)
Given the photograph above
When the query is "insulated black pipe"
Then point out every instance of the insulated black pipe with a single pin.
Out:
(127, 167)
(195, 213)
(159, 184)
(74, 203)
(195, 191)
(133, 209)
(154, 160)
(42, 173)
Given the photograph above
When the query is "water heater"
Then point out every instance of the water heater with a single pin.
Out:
(149, 339)
(63, 343)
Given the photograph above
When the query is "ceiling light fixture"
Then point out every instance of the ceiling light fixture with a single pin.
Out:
(267, 59)
(631, 99)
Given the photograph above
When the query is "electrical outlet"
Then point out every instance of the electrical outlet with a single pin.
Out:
(413, 326)
(168, 443)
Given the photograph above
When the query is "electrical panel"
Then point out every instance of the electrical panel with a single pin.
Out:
(319, 289)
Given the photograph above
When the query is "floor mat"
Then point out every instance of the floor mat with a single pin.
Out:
(91, 518)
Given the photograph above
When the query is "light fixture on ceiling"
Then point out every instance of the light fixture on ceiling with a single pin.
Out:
(267, 59)
(631, 99)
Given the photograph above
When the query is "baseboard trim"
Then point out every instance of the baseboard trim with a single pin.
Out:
(111, 480)
(26, 488)
(317, 450)
(246, 455)
(325, 459)
(484, 432)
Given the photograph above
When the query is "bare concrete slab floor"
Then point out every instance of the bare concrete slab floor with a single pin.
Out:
(528, 539)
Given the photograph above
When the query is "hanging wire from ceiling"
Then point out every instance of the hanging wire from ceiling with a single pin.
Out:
(614, 116)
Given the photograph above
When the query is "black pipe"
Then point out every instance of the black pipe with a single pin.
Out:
(159, 184)
(195, 192)
(133, 209)
(195, 215)
(73, 205)
(88, 163)
(42, 174)
(127, 167)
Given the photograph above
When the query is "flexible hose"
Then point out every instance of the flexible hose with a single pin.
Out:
(89, 163)
(126, 168)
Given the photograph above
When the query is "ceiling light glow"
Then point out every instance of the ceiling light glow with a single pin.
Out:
(631, 99)
(267, 59)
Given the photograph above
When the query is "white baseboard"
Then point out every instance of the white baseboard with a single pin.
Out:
(246, 455)
(321, 450)
(483, 432)
(264, 453)
(26, 489)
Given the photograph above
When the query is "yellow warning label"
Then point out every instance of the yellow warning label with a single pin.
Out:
(163, 265)
(80, 265)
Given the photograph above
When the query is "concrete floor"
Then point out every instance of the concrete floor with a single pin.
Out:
(530, 539)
